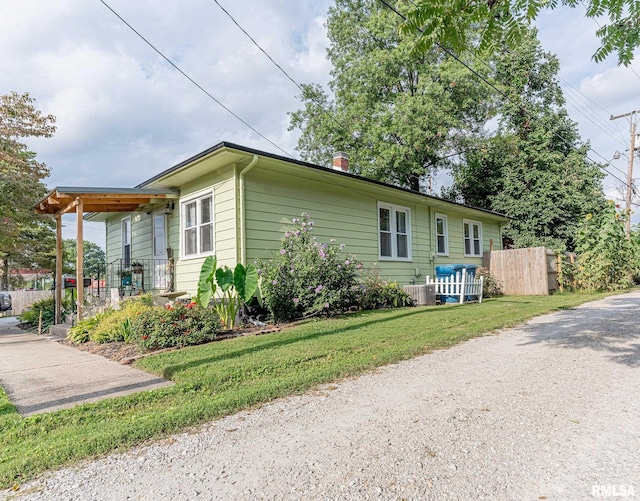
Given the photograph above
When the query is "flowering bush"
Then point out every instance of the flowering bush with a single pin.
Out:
(307, 277)
(174, 325)
(376, 293)
(491, 287)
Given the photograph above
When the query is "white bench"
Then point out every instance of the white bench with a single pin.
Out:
(459, 285)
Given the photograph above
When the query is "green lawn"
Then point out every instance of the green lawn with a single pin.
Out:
(221, 378)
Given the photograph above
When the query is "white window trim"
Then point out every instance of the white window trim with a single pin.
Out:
(188, 199)
(122, 240)
(446, 233)
(394, 250)
(479, 224)
(153, 235)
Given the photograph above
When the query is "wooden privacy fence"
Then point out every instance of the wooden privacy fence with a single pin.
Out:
(524, 272)
(20, 300)
(461, 285)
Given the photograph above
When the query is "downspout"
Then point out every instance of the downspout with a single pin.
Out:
(243, 228)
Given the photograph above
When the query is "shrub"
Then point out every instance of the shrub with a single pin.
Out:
(80, 333)
(607, 260)
(113, 325)
(490, 286)
(376, 293)
(30, 317)
(174, 325)
(307, 277)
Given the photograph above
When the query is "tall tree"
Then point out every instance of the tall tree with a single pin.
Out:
(535, 167)
(21, 185)
(399, 115)
(450, 22)
(94, 258)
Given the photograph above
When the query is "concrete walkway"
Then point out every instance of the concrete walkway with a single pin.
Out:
(41, 375)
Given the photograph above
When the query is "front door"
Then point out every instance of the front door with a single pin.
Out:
(159, 251)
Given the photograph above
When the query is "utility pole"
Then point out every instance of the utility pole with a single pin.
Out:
(632, 153)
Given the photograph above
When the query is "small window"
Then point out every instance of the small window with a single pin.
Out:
(197, 226)
(126, 242)
(442, 237)
(394, 235)
(159, 236)
(472, 238)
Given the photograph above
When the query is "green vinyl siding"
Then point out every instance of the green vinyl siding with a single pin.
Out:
(113, 228)
(343, 209)
(490, 231)
(141, 236)
(222, 184)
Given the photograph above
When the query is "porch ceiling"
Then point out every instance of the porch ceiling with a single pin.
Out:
(63, 200)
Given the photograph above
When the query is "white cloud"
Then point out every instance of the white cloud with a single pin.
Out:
(124, 114)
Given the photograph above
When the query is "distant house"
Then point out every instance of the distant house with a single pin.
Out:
(236, 202)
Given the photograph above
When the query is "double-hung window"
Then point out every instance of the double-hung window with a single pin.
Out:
(394, 230)
(472, 238)
(197, 226)
(442, 235)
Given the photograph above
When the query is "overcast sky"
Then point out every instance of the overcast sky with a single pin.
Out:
(124, 114)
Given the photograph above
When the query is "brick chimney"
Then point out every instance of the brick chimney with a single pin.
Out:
(341, 161)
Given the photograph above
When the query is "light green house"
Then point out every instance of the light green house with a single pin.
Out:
(236, 202)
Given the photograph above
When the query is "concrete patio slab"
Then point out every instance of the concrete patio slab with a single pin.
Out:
(41, 375)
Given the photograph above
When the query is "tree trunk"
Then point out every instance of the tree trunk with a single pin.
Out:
(4, 274)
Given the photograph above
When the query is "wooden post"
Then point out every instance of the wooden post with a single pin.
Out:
(491, 245)
(572, 260)
(559, 271)
(80, 258)
(40, 323)
(58, 282)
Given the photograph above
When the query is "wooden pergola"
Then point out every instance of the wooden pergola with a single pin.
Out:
(66, 200)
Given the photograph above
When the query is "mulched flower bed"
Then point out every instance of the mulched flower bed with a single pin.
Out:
(125, 353)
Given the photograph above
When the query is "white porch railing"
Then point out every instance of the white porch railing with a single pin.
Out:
(459, 285)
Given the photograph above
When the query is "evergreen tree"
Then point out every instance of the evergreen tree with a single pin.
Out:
(535, 167)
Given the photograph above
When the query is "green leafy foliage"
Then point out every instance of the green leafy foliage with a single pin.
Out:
(400, 115)
(535, 167)
(80, 333)
(237, 286)
(26, 239)
(308, 278)
(453, 23)
(607, 260)
(376, 293)
(94, 261)
(30, 317)
(206, 285)
(113, 325)
(490, 286)
(174, 325)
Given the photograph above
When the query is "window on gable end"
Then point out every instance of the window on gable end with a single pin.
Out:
(198, 226)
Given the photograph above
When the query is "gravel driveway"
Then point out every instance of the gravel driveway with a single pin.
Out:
(550, 410)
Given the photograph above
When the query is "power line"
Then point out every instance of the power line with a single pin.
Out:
(194, 82)
(501, 92)
(604, 125)
(299, 86)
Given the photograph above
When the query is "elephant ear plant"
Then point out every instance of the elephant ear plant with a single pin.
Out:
(236, 286)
